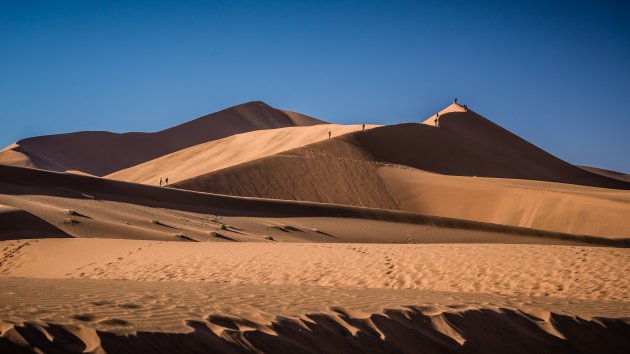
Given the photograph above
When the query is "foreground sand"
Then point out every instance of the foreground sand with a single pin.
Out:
(515, 270)
(90, 294)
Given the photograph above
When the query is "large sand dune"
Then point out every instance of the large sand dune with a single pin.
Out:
(100, 153)
(389, 168)
(464, 144)
(233, 150)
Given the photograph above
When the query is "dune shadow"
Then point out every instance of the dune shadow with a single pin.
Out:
(392, 331)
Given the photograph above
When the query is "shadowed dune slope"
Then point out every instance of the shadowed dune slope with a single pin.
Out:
(100, 153)
(233, 150)
(19, 224)
(467, 144)
(393, 331)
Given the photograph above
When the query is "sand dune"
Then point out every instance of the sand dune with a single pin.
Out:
(233, 150)
(465, 144)
(531, 204)
(346, 170)
(100, 153)
(85, 206)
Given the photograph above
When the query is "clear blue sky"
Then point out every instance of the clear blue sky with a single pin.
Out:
(557, 73)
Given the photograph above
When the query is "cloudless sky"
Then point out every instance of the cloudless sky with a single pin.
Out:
(556, 73)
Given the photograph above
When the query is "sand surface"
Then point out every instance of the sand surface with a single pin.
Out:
(243, 296)
(564, 271)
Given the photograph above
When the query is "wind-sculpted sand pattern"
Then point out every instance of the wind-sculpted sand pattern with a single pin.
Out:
(595, 273)
(77, 315)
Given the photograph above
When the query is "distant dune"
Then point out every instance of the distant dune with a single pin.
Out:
(608, 173)
(100, 153)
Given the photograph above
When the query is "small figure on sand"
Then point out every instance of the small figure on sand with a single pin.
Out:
(363, 128)
(166, 180)
(329, 134)
(437, 117)
(160, 181)
(466, 108)
(455, 100)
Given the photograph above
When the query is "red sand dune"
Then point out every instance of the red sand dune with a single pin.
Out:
(99, 153)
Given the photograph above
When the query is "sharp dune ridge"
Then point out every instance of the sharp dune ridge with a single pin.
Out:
(272, 236)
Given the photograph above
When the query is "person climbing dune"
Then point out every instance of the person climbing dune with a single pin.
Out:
(160, 181)
(436, 121)
(329, 134)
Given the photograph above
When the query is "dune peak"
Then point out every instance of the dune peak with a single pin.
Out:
(453, 107)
